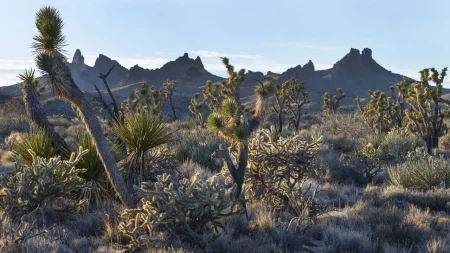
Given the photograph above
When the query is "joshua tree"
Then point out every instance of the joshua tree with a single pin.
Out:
(212, 96)
(263, 93)
(147, 97)
(331, 104)
(169, 89)
(383, 112)
(297, 97)
(229, 120)
(196, 108)
(37, 114)
(425, 114)
(50, 58)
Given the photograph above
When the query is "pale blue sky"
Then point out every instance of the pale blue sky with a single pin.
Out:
(263, 35)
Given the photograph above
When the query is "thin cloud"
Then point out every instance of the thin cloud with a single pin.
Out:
(8, 79)
(16, 64)
(304, 45)
(215, 54)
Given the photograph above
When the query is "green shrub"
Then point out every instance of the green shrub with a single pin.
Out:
(38, 142)
(421, 172)
(190, 209)
(40, 184)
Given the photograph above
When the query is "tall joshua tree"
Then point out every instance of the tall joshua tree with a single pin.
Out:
(169, 90)
(49, 49)
(297, 97)
(37, 114)
(233, 125)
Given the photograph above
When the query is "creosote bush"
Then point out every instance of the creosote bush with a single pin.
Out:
(189, 209)
(40, 184)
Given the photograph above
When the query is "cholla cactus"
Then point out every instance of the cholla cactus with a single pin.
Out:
(190, 209)
(331, 104)
(40, 184)
(233, 125)
(297, 97)
(278, 168)
(196, 108)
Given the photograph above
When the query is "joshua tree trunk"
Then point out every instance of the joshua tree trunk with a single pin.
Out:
(74, 95)
(39, 119)
(173, 109)
(236, 173)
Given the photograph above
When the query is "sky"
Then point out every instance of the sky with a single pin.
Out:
(259, 35)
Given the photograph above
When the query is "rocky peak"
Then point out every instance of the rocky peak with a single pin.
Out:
(78, 58)
(198, 62)
(367, 52)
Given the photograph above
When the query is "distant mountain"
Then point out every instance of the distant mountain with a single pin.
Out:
(184, 69)
(355, 73)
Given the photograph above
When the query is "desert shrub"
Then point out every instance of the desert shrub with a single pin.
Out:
(391, 147)
(342, 143)
(444, 141)
(277, 170)
(196, 145)
(38, 142)
(422, 172)
(189, 209)
(12, 122)
(340, 168)
(40, 184)
(343, 124)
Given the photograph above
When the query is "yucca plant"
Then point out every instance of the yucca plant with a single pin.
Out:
(38, 142)
(97, 185)
(140, 131)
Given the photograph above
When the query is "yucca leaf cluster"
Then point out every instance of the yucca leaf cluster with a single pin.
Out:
(38, 142)
(189, 209)
(141, 131)
(41, 183)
